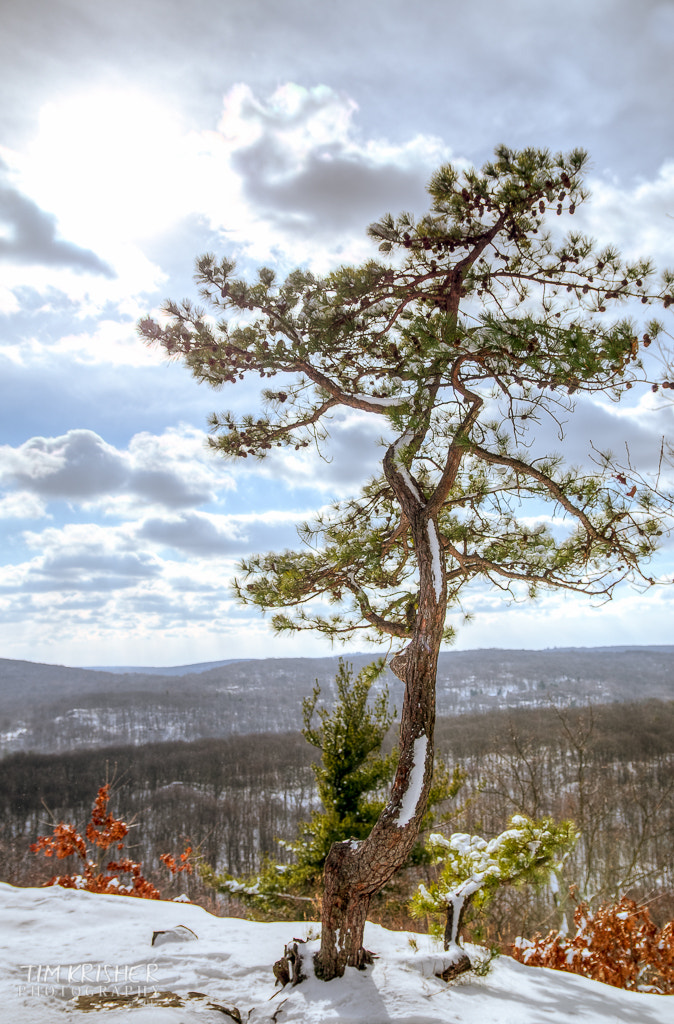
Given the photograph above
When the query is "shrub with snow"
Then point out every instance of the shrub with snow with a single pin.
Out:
(474, 868)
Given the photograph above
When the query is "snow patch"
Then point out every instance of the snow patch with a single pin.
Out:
(384, 402)
(53, 943)
(436, 566)
(402, 442)
(416, 781)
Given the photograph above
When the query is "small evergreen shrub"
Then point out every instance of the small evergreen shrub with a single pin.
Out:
(473, 868)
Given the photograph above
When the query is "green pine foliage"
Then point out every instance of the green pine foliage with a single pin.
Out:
(479, 323)
(353, 775)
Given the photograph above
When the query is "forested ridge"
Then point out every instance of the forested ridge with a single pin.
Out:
(52, 708)
(608, 767)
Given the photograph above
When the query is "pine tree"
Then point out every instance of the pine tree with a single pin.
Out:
(351, 778)
(352, 770)
(478, 325)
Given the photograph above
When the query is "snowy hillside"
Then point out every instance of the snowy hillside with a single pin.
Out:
(50, 708)
(59, 943)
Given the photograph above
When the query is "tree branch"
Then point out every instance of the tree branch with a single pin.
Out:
(536, 474)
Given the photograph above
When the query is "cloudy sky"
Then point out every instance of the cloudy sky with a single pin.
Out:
(134, 136)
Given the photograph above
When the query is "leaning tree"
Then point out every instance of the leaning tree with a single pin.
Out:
(473, 331)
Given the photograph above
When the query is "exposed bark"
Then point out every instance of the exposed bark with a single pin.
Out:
(458, 966)
(345, 905)
(289, 968)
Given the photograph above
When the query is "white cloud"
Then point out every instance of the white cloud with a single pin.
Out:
(88, 586)
(287, 173)
(81, 558)
(632, 429)
(22, 505)
(112, 343)
(206, 535)
(351, 455)
(9, 303)
(58, 240)
(172, 471)
(135, 277)
(104, 161)
(565, 621)
(638, 218)
(307, 182)
(28, 234)
(289, 177)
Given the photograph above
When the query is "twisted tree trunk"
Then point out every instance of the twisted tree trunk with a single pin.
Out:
(355, 871)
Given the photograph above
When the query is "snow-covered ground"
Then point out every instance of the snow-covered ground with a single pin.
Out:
(60, 944)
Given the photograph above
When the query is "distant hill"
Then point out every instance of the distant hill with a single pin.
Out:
(176, 670)
(205, 666)
(48, 708)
